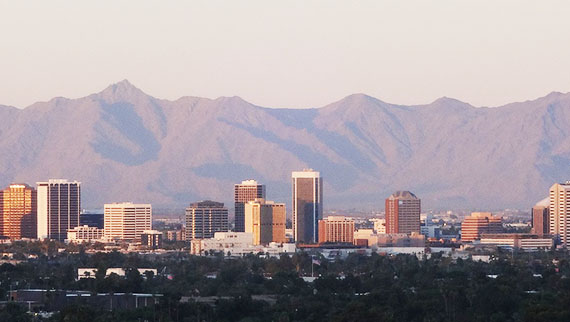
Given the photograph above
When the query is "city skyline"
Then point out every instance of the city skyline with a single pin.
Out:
(305, 160)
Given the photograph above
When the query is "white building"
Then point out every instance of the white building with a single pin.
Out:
(127, 221)
(85, 233)
(237, 244)
(59, 206)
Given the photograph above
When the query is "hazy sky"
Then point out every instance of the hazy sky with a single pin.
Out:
(287, 53)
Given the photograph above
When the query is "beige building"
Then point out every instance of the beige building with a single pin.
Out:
(336, 229)
(379, 225)
(18, 211)
(403, 213)
(265, 220)
(246, 191)
(559, 211)
(307, 205)
(480, 223)
(365, 237)
(127, 221)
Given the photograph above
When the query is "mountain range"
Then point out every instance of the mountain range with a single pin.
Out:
(125, 145)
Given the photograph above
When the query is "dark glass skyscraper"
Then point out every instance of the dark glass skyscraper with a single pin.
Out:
(307, 205)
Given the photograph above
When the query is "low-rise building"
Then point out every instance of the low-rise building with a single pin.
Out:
(175, 235)
(151, 238)
(379, 225)
(365, 237)
(85, 233)
(431, 231)
(480, 223)
(336, 229)
(237, 244)
(519, 241)
(401, 240)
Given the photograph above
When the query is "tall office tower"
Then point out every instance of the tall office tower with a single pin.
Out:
(244, 192)
(18, 211)
(307, 205)
(127, 221)
(541, 218)
(480, 223)
(204, 218)
(336, 229)
(59, 205)
(560, 211)
(265, 220)
(403, 213)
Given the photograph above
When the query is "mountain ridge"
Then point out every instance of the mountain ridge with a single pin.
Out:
(126, 145)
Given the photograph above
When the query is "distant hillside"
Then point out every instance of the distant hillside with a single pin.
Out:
(126, 145)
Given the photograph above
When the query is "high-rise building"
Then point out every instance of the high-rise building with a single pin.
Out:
(204, 218)
(307, 205)
(127, 221)
(59, 205)
(336, 229)
(540, 218)
(244, 192)
(403, 213)
(265, 220)
(18, 212)
(480, 223)
(559, 211)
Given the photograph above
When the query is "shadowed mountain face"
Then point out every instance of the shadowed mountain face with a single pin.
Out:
(127, 146)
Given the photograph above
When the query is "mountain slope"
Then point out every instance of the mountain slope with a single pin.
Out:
(126, 145)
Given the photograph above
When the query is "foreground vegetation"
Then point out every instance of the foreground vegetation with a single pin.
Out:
(526, 287)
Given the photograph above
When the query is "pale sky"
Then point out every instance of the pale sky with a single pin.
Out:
(287, 53)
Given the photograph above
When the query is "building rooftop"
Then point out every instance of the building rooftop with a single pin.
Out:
(306, 173)
(207, 204)
(249, 182)
(57, 181)
(404, 195)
